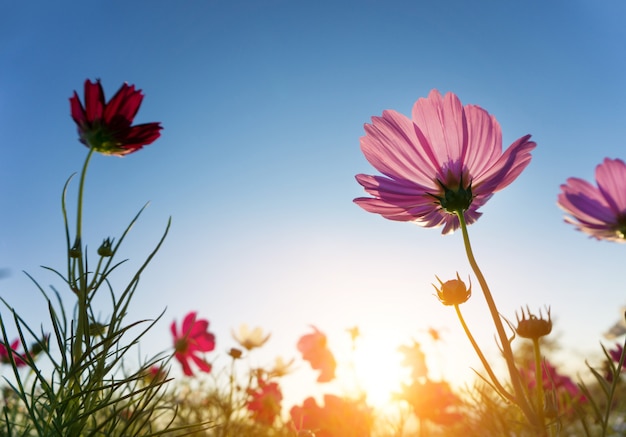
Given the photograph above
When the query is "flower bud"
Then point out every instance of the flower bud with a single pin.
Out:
(97, 329)
(453, 292)
(39, 346)
(533, 327)
(105, 249)
(75, 251)
(235, 353)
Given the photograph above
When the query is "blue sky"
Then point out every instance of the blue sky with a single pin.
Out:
(263, 103)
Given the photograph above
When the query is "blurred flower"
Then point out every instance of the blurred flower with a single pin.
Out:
(414, 359)
(106, 127)
(433, 401)
(447, 158)
(281, 368)
(250, 339)
(619, 328)
(616, 352)
(453, 292)
(616, 355)
(5, 354)
(339, 417)
(435, 334)
(194, 337)
(598, 211)
(564, 389)
(533, 327)
(314, 350)
(354, 333)
(264, 402)
(155, 374)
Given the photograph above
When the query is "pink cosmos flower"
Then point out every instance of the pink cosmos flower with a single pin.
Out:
(446, 158)
(314, 349)
(194, 337)
(106, 127)
(598, 211)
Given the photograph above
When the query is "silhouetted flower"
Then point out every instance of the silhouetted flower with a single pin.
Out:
(193, 338)
(432, 400)
(598, 211)
(414, 359)
(250, 339)
(106, 127)
(447, 158)
(533, 327)
(339, 417)
(264, 402)
(315, 350)
(453, 292)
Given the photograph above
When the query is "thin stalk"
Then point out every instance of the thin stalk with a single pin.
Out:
(82, 328)
(505, 394)
(520, 397)
(539, 381)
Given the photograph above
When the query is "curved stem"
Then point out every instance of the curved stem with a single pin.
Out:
(520, 397)
(500, 389)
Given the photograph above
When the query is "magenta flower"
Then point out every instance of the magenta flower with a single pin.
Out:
(598, 211)
(193, 338)
(447, 158)
(106, 127)
(5, 354)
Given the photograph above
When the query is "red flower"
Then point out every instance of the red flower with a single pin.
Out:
(193, 338)
(264, 403)
(314, 350)
(5, 357)
(338, 417)
(106, 127)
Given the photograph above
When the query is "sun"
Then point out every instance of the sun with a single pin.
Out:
(374, 368)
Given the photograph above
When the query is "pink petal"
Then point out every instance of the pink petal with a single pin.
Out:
(483, 132)
(442, 121)
(188, 323)
(202, 364)
(611, 179)
(393, 148)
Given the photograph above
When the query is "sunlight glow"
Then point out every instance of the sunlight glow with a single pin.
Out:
(375, 369)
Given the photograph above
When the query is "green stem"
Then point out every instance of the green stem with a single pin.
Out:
(539, 381)
(499, 388)
(520, 397)
(82, 328)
